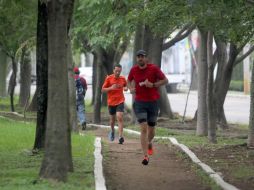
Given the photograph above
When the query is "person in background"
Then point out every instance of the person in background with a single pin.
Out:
(81, 88)
(114, 85)
(147, 78)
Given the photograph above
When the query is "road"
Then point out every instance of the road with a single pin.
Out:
(237, 105)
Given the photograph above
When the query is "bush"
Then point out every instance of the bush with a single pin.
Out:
(236, 85)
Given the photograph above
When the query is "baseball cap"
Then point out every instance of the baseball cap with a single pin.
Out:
(141, 52)
(76, 70)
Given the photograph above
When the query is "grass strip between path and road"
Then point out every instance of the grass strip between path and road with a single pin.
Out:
(20, 168)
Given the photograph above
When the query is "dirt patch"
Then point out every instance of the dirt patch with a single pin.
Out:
(231, 162)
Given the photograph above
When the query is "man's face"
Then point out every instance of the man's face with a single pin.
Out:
(141, 60)
(117, 71)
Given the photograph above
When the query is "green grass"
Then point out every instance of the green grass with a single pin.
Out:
(6, 104)
(20, 169)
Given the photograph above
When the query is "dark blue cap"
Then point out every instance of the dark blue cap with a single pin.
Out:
(141, 52)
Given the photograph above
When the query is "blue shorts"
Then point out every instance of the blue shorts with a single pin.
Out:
(146, 111)
(118, 108)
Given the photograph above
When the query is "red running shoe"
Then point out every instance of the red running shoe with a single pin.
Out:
(150, 149)
(145, 160)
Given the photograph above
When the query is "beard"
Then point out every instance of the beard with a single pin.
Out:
(141, 63)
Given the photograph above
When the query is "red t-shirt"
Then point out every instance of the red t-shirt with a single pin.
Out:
(115, 97)
(153, 74)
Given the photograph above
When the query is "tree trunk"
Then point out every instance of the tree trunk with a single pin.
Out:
(223, 81)
(94, 77)
(33, 105)
(25, 77)
(250, 141)
(97, 99)
(55, 164)
(40, 98)
(202, 86)
(222, 61)
(194, 55)
(12, 83)
(3, 74)
(72, 94)
(72, 119)
(210, 99)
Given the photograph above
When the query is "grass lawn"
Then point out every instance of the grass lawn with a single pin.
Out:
(20, 169)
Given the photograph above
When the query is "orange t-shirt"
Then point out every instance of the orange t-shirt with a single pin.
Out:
(115, 96)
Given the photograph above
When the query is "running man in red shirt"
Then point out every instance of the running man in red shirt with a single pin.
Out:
(147, 78)
(114, 85)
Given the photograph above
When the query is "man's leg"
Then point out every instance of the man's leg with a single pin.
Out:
(151, 133)
(143, 137)
(80, 112)
(119, 116)
(150, 136)
(144, 142)
(112, 122)
(152, 119)
(111, 134)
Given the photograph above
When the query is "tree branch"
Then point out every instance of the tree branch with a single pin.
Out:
(183, 33)
(239, 59)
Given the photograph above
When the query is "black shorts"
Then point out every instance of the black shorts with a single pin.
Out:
(118, 108)
(146, 111)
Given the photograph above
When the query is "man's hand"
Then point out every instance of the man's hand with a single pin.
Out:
(132, 90)
(115, 86)
(148, 84)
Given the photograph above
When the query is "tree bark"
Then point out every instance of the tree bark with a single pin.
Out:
(194, 55)
(202, 86)
(55, 164)
(102, 65)
(72, 119)
(3, 74)
(250, 141)
(72, 93)
(97, 99)
(223, 78)
(12, 83)
(210, 98)
(40, 98)
(25, 77)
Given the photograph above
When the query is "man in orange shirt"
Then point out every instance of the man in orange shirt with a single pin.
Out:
(114, 85)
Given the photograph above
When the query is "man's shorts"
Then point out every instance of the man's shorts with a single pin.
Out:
(118, 108)
(146, 111)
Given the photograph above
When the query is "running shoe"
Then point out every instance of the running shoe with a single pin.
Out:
(150, 149)
(121, 140)
(111, 136)
(145, 161)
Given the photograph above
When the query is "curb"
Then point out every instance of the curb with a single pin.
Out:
(207, 169)
(98, 170)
